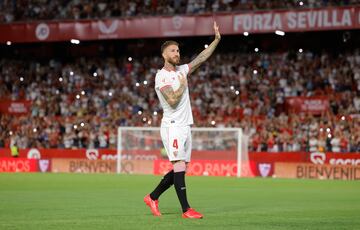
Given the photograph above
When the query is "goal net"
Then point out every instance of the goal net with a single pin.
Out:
(215, 151)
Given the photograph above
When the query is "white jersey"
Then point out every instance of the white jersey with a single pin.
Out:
(182, 114)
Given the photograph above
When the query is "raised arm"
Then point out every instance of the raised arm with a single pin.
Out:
(206, 53)
(173, 97)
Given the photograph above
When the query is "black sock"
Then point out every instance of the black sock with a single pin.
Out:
(164, 184)
(179, 183)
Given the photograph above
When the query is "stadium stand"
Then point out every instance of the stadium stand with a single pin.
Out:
(11, 11)
(66, 95)
(79, 99)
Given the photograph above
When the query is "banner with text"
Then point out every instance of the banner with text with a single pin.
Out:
(90, 154)
(209, 155)
(101, 166)
(311, 171)
(333, 18)
(314, 105)
(208, 168)
(21, 107)
(18, 165)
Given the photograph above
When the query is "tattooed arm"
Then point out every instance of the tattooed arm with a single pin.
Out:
(206, 53)
(173, 97)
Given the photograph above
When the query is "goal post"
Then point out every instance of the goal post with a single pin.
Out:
(207, 144)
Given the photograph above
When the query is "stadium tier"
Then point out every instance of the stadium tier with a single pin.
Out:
(78, 102)
(11, 11)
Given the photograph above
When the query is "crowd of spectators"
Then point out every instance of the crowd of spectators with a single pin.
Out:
(25, 10)
(81, 103)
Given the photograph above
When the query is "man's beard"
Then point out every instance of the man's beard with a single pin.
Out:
(174, 61)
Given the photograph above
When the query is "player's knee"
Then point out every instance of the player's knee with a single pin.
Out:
(169, 177)
(179, 166)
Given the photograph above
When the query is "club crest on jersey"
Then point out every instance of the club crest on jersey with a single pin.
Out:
(175, 153)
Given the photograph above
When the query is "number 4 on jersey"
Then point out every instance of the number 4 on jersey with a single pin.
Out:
(175, 144)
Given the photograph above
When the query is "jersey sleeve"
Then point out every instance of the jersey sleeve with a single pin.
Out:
(185, 69)
(160, 82)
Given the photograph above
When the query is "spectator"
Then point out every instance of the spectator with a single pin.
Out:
(11, 11)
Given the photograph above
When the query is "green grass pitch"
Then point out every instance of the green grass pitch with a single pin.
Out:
(89, 201)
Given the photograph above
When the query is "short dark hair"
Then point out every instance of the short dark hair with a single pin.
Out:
(168, 43)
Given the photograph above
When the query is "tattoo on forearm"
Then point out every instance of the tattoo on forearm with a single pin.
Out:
(173, 97)
(167, 92)
(203, 56)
